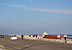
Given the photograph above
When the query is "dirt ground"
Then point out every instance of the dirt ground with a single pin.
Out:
(32, 45)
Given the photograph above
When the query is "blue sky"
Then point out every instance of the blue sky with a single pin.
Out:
(35, 16)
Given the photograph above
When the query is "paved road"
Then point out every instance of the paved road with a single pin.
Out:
(33, 45)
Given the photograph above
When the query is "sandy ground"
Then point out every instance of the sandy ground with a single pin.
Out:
(32, 45)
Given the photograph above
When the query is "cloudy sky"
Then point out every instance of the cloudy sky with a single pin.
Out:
(35, 16)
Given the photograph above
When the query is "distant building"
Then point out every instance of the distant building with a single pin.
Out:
(45, 34)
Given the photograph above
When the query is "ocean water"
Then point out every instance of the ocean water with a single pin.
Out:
(68, 35)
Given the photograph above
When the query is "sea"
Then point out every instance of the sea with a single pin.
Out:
(68, 34)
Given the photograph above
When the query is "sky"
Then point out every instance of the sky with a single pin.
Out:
(35, 16)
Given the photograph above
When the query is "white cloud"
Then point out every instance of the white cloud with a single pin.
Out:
(40, 9)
